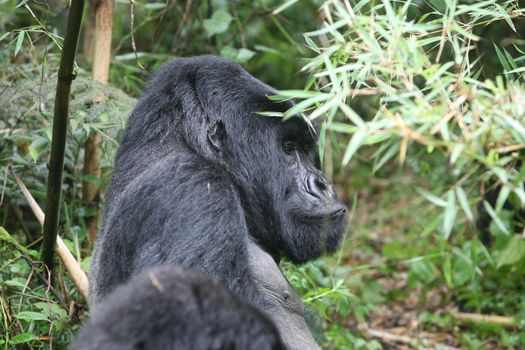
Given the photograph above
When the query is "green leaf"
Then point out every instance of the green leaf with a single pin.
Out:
(22, 338)
(456, 152)
(502, 198)
(17, 283)
(51, 310)
(155, 6)
(357, 140)
(3, 36)
(503, 59)
(514, 124)
(322, 140)
(271, 114)
(517, 70)
(463, 201)
(439, 73)
(432, 198)
(85, 264)
(300, 94)
(447, 271)
(424, 271)
(513, 252)
(218, 23)
(495, 218)
(301, 106)
(450, 214)
(37, 146)
(244, 55)
(19, 41)
(6, 237)
(262, 48)
(22, 3)
(237, 55)
(31, 316)
(283, 7)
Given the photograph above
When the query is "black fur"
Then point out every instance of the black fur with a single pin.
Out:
(171, 308)
(200, 177)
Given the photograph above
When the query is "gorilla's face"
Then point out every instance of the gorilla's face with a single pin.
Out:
(291, 208)
(312, 219)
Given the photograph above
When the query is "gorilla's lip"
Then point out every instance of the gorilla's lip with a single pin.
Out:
(334, 213)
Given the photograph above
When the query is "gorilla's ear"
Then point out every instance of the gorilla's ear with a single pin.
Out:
(216, 135)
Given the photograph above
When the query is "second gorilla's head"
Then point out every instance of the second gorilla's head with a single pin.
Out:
(173, 308)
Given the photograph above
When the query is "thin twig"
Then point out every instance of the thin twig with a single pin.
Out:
(391, 337)
(4, 185)
(511, 148)
(499, 320)
(163, 12)
(133, 45)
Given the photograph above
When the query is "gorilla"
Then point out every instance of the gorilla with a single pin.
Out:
(202, 180)
(173, 308)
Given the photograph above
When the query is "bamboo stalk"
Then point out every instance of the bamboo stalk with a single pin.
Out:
(58, 143)
(72, 266)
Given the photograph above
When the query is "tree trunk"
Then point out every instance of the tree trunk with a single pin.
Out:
(88, 45)
(104, 23)
(101, 62)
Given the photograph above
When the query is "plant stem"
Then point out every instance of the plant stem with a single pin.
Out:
(58, 143)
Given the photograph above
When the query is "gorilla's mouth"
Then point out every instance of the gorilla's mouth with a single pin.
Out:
(332, 214)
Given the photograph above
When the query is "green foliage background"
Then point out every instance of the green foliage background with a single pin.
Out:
(422, 107)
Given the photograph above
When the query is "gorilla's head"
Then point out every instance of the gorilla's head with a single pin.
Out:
(291, 208)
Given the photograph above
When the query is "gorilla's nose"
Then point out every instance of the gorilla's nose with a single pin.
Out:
(319, 187)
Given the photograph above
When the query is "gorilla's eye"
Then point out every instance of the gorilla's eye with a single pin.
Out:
(289, 146)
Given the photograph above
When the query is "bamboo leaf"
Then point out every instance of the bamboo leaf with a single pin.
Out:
(450, 214)
(463, 202)
(431, 198)
(300, 94)
(456, 152)
(495, 217)
(301, 106)
(271, 114)
(502, 198)
(447, 271)
(19, 41)
(357, 140)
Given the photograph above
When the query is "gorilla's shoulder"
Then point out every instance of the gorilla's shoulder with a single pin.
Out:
(182, 169)
(182, 183)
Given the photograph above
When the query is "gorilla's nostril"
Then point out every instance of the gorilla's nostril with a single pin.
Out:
(317, 187)
(339, 213)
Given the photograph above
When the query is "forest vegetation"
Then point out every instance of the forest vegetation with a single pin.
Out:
(422, 111)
